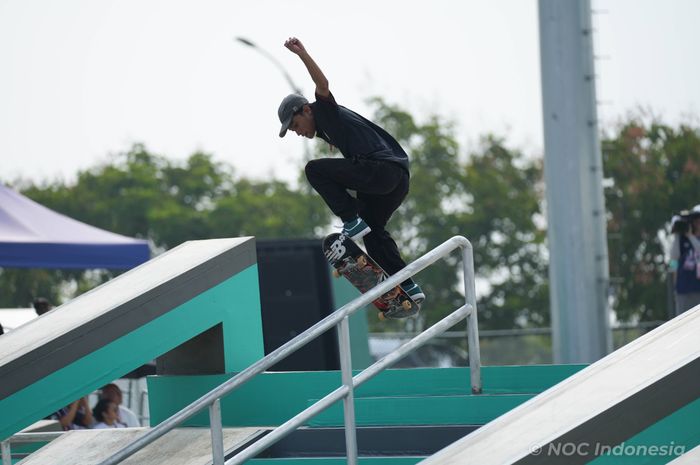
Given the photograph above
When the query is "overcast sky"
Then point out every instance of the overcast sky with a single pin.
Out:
(81, 79)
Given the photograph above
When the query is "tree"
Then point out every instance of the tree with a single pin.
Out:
(491, 194)
(653, 172)
(493, 197)
(141, 194)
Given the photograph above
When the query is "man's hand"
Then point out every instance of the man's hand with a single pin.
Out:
(295, 45)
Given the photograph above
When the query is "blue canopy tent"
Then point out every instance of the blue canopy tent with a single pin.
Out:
(33, 236)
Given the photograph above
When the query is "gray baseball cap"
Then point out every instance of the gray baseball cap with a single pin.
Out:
(291, 104)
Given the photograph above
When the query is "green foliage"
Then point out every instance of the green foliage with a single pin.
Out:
(492, 197)
(148, 196)
(19, 288)
(653, 171)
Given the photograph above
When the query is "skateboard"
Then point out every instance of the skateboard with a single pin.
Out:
(350, 261)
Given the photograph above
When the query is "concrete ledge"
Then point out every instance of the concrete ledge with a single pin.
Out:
(207, 288)
(183, 446)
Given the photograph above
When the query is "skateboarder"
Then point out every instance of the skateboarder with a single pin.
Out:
(373, 164)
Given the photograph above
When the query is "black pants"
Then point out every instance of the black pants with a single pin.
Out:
(381, 187)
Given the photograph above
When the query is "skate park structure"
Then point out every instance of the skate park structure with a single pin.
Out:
(200, 301)
(640, 401)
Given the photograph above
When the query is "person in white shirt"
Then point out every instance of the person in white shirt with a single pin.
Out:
(113, 393)
(106, 414)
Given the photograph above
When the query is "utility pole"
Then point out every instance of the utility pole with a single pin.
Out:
(578, 266)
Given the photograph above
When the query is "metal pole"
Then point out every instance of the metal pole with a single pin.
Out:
(349, 401)
(472, 321)
(578, 263)
(274, 60)
(6, 454)
(341, 392)
(295, 88)
(217, 433)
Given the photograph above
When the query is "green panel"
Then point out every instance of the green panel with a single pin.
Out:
(344, 292)
(525, 378)
(445, 410)
(660, 443)
(19, 451)
(268, 399)
(272, 398)
(142, 345)
(337, 461)
(239, 305)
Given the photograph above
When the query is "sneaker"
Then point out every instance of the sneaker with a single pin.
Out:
(415, 293)
(356, 229)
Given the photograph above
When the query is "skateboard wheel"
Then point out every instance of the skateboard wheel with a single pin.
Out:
(406, 305)
(336, 273)
(381, 316)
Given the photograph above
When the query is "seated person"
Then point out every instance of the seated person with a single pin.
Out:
(112, 392)
(41, 305)
(77, 415)
(106, 415)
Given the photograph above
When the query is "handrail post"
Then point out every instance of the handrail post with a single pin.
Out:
(6, 454)
(472, 320)
(349, 400)
(217, 433)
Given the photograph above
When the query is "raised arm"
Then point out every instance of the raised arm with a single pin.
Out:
(296, 47)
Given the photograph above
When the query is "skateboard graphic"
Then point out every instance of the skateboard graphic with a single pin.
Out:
(349, 260)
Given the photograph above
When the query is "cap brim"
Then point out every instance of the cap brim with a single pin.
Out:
(285, 126)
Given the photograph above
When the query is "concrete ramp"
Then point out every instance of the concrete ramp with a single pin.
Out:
(599, 407)
(184, 446)
(692, 457)
(196, 307)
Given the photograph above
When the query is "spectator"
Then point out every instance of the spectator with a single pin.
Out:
(106, 415)
(42, 305)
(112, 393)
(77, 415)
(685, 259)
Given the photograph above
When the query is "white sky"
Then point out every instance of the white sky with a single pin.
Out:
(80, 79)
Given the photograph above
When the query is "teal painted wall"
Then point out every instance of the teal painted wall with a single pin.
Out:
(337, 461)
(344, 292)
(660, 443)
(234, 302)
(423, 410)
(272, 398)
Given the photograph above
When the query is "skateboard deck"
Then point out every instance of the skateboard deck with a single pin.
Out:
(350, 261)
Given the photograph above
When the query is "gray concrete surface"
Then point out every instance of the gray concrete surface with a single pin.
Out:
(184, 446)
(691, 457)
(602, 405)
(119, 306)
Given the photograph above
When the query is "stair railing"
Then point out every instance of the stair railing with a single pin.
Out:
(339, 318)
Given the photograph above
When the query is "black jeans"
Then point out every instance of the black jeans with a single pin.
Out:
(381, 187)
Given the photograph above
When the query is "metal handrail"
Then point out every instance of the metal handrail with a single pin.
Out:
(25, 438)
(338, 318)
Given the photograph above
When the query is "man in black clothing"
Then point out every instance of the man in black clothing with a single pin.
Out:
(373, 164)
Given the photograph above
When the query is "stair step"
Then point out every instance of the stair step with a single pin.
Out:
(244, 407)
(337, 461)
(405, 441)
(423, 410)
